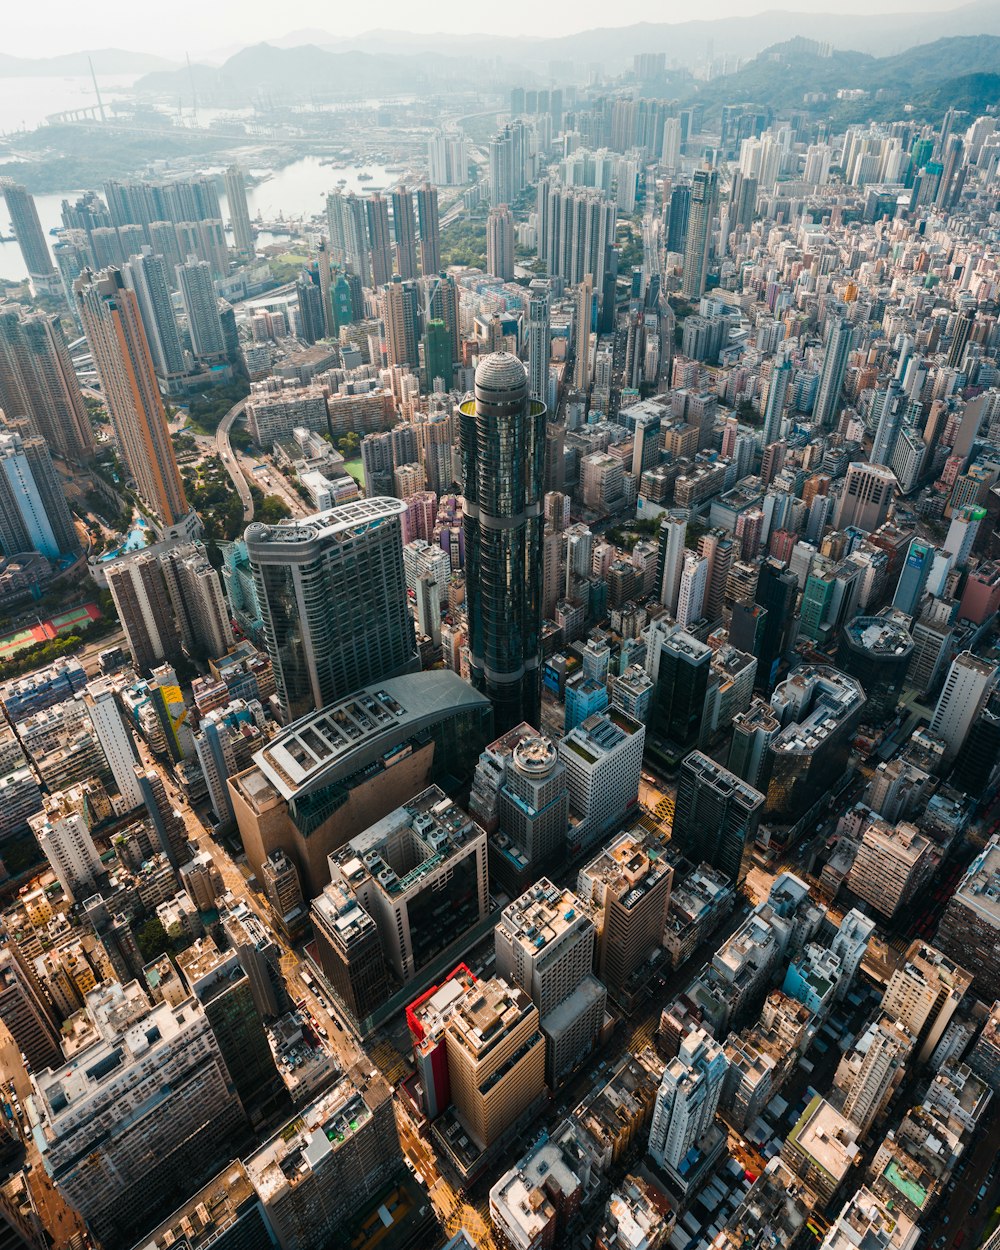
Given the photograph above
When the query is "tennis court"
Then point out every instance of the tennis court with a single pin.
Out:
(52, 627)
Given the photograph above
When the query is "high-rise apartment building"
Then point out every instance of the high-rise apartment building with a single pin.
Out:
(201, 306)
(576, 229)
(500, 243)
(539, 341)
(698, 241)
(970, 927)
(870, 1074)
(627, 889)
(152, 1084)
(376, 209)
(239, 212)
(968, 685)
(26, 1009)
(37, 381)
(924, 994)
(34, 514)
(199, 605)
(400, 315)
(430, 229)
(831, 378)
(115, 738)
(716, 815)
(30, 237)
(404, 233)
(891, 864)
(332, 595)
(66, 843)
(545, 943)
(683, 1137)
(147, 275)
(109, 311)
(140, 597)
(503, 459)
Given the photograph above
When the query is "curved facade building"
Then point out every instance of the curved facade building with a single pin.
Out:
(876, 652)
(332, 596)
(503, 459)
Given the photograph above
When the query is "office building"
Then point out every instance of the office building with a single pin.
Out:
(684, 1139)
(329, 776)
(777, 589)
(66, 843)
(698, 240)
(239, 212)
(496, 1059)
(670, 559)
(603, 761)
(534, 1202)
(421, 874)
(545, 943)
(140, 596)
(867, 496)
(199, 605)
(968, 685)
(924, 994)
(350, 951)
(201, 307)
(500, 243)
(503, 457)
(340, 1153)
(876, 651)
(831, 379)
(716, 815)
(30, 237)
(520, 796)
(332, 596)
(37, 381)
(109, 311)
(34, 515)
(753, 732)
(627, 890)
(969, 931)
(152, 1084)
(679, 664)
(217, 980)
(819, 709)
(430, 229)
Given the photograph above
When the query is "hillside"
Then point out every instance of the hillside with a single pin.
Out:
(74, 64)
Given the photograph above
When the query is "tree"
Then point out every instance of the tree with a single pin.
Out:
(273, 509)
(153, 939)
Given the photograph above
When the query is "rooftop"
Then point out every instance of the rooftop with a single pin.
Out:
(827, 1138)
(344, 737)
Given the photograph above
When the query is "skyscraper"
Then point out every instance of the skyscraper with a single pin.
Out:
(503, 459)
(683, 1136)
(539, 342)
(704, 193)
(332, 594)
(913, 578)
(140, 597)
(239, 212)
(113, 326)
(30, 237)
(34, 515)
(379, 239)
(500, 243)
(201, 305)
(199, 604)
(430, 229)
(717, 815)
(37, 381)
(576, 225)
(115, 738)
(146, 274)
(777, 589)
(583, 321)
(400, 315)
(404, 232)
(966, 689)
(777, 397)
(831, 378)
(866, 497)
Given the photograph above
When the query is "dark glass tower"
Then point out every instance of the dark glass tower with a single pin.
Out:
(503, 459)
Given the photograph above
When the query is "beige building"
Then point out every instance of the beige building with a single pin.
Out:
(924, 994)
(627, 888)
(496, 1059)
(892, 863)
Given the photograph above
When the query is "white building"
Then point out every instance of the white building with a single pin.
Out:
(966, 689)
(603, 759)
(116, 740)
(683, 1132)
(67, 845)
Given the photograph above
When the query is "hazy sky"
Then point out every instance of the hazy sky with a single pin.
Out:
(172, 27)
